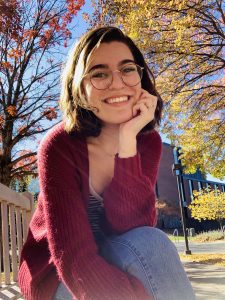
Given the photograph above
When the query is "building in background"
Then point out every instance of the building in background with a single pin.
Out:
(169, 216)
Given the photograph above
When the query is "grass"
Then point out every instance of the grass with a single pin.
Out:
(212, 259)
(175, 238)
(203, 237)
(209, 236)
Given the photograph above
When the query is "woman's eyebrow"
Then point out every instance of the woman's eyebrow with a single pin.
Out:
(99, 66)
(126, 61)
(105, 66)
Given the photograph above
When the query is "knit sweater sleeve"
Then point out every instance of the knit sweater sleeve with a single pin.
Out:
(71, 244)
(130, 198)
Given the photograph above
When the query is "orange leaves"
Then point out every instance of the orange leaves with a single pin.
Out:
(42, 42)
(30, 33)
(15, 53)
(50, 113)
(10, 18)
(5, 65)
(2, 122)
(86, 17)
(54, 23)
(74, 5)
(46, 37)
(11, 110)
(59, 24)
(48, 33)
(26, 159)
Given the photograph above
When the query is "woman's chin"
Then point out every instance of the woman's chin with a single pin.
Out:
(119, 119)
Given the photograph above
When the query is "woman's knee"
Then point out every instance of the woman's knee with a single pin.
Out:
(148, 242)
(146, 235)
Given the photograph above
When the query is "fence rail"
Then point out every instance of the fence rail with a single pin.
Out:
(191, 184)
(16, 212)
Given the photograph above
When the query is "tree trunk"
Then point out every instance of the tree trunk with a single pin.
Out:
(5, 171)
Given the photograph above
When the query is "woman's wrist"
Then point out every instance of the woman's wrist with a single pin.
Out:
(127, 147)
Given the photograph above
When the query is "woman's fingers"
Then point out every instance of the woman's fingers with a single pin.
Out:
(140, 107)
(151, 100)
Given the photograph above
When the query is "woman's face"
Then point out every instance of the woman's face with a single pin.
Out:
(114, 103)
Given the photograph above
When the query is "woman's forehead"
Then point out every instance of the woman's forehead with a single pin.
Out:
(113, 53)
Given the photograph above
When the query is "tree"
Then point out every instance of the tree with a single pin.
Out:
(208, 204)
(9, 18)
(32, 32)
(184, 44)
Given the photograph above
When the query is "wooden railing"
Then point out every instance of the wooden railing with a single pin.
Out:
(16, 212)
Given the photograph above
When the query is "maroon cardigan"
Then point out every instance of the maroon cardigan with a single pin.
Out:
(60, 245)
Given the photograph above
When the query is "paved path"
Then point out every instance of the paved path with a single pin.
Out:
(208, 281)
(214, 247)
(10, 292)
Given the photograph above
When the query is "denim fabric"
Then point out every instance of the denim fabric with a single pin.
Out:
(149, 255)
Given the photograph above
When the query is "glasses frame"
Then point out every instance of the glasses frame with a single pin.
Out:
(141, 68)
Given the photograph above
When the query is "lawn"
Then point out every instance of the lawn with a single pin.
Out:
(203, 237)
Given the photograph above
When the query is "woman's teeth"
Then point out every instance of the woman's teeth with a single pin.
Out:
(116, 100)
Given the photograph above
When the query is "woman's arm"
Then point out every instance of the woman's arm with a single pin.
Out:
(130, 199)
(70, 239)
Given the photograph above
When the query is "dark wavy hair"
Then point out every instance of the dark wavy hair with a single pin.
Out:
(77, 115)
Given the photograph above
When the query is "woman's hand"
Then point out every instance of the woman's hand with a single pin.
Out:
(143, 113)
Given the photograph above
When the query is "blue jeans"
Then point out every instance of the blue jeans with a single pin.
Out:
(149, 255)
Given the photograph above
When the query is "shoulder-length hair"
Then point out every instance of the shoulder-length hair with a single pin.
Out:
(77, 114)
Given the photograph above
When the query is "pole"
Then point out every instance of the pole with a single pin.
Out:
(177, 170)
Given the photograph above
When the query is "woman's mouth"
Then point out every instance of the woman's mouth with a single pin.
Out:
(117, 100)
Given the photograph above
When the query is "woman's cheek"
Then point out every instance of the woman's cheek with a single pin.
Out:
(137, 96)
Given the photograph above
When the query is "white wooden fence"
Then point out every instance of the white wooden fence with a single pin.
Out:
(16, 212)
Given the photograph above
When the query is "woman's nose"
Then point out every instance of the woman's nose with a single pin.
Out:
(117, 81)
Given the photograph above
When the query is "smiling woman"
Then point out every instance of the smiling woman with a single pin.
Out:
(114, 86)
(92, 236)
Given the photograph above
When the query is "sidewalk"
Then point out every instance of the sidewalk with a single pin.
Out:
(208, 281)
(210, 247)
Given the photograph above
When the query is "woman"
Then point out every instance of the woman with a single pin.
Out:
(92, 234)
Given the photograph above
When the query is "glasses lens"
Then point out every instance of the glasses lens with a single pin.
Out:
(101, 79)
(131, 74)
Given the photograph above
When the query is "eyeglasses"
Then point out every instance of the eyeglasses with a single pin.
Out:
(101, 79)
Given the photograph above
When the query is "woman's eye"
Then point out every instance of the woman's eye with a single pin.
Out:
(100, 75)
(128, 70)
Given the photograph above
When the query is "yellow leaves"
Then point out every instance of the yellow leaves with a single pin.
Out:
(180, 46)
(208, 205)
(217, 259)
